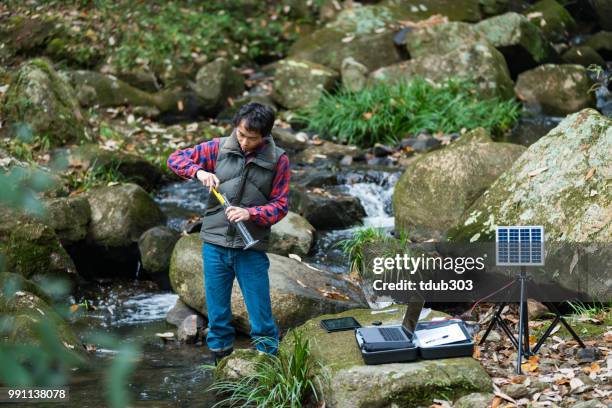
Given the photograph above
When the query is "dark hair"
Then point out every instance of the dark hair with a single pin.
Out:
(257, 117)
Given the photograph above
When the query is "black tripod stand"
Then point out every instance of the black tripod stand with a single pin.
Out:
(522, 343)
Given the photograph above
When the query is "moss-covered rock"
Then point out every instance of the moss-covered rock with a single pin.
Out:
(354, 384)
(39, 98)
(552, 18)
(583, 55)
(480, 63)
(217, 81)
(441, 38)
(556, 89)
(155, 246)
(354, 74)
(602, 43)
(561, 182)
(455, 10)
(120, 214)
(300, 83)
(521, 42)
(69, 217)
(438, 187)
(477, 399)
(292, 303)
(363, 33)
(31, 248)
(292, 235)
(493, 7)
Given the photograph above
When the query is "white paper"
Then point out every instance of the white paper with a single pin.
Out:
(440, 335)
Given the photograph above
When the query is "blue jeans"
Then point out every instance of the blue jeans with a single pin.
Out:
(250, 267)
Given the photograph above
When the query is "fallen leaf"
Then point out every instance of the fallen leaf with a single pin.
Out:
(590, 173)
(301, 284)
(367, 115)
(535, 172)
(74, 308)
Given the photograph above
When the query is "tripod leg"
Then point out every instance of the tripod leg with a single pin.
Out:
(493, 320)
(546, 334)
(526, 328)
(554, 309)
(521, 326)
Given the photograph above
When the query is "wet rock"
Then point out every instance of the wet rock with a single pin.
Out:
(69, 217)
(325, 210)
(474, 400)
(354, 74)
(441, 39)
(423, 142)
(602, 43)
(559, 182)
(552, 18)
(363, 33)
(354, 384)
(178, 313)
(297, 291)
(216, 81)
(583, 55)
(300, 83)
(315, 178)
(189, 327)
(41, 102)
(327, 151)
(91, 157)
(429, 198)
(529, 129)
(556, 89)
(381, 150)
(31, 248)
(477, 62)
(292, 235)
(603, 9)
(155, 246)
(522, 43)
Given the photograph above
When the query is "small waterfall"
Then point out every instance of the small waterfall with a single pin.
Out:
(376, 198)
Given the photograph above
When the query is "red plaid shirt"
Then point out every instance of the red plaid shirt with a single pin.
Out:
(186, 163)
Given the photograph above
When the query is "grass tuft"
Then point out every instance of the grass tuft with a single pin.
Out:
(386, 113)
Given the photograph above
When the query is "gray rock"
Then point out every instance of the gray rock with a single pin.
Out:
(178, 313)
(594, 403)
(41, 102)
(292, 302)
(325, 210)
(588, 354)
(522, 43)
(188, 329)
(301, 83)
(155, 246)
(430, 198)
(474, 400)
(560, 183)
(441, 39)
(479, 63)
(381, 150)
(292, 235)
(354, 74)
(69, 217)
(120, 214)
(315, 178)
(327, 151)
(516, 391)
(216, 81)
(556, 89)
(289, 140)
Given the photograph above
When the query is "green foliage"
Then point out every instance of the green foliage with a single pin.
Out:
(95, 176)
(289, 379)
(589, 310)
(353, 247)
(385, 113)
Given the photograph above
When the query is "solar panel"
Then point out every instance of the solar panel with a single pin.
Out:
(519, 245)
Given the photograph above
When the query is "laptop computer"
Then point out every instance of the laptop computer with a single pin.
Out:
(392, 337)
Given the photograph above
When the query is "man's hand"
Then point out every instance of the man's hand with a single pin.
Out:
(208, 179)
(236, 214)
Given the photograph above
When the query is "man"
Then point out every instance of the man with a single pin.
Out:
(253, 173)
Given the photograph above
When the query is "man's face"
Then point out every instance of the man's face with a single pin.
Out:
(248, 139)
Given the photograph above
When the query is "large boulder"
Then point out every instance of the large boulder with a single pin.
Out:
(440, 39)
(40, 99)
(364, 33)
(31, 248)
(69, 217)
(301, 83)
(521, 42)
(24, 308)
(480, 63)
(553, 19)
(603, 9)
(352, 383)
(455, 10)
(292, 235)
(325, 210)
(217, 81)
(438, 187)
(298, 292)
(556, 89)
(561, 182)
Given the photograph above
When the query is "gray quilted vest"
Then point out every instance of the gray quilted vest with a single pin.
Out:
(244, 186)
